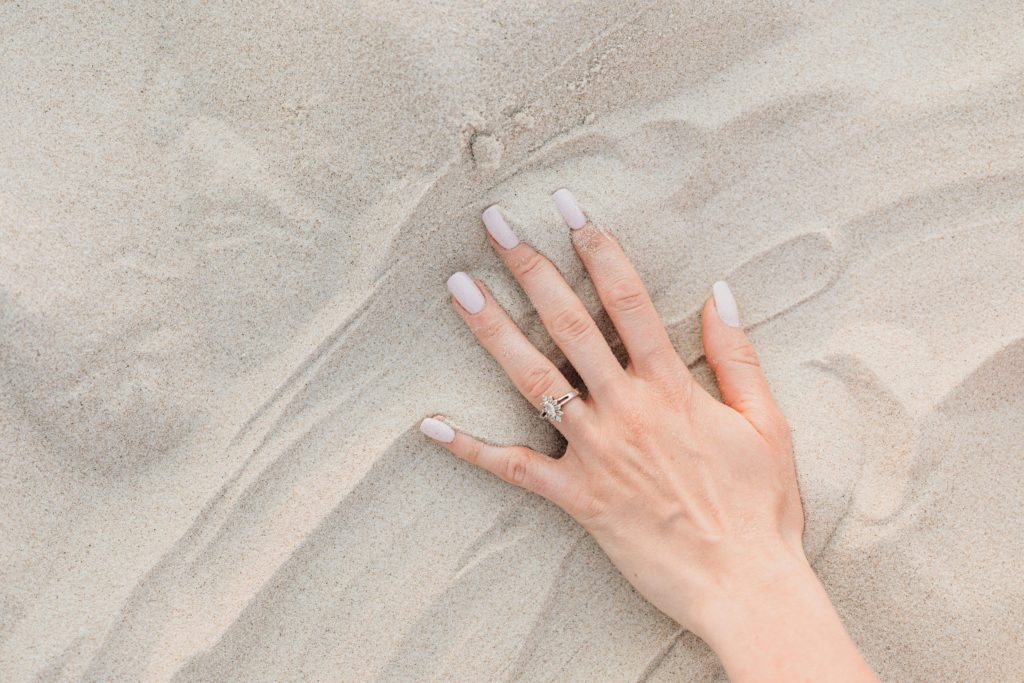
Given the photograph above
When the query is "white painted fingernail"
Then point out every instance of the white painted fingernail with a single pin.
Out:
(725, 304)
(499, 228)
(466, 292)
(437, 430)
(569, 209)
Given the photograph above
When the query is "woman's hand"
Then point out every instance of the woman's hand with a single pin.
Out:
(694, 500)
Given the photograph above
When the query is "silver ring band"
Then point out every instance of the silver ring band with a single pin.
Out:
(551, 407)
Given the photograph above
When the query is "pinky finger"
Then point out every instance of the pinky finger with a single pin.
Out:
(518, 465)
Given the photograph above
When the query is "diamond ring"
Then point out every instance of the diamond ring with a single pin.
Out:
(551, 407)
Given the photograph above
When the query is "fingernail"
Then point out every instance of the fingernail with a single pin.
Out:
(499, 228)
(437, 430)
(466, 292)
(725, 304)
(569, 209)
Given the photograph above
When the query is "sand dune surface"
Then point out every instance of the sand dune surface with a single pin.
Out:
(224, 235)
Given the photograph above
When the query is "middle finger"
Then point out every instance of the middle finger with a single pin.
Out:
(563, 314)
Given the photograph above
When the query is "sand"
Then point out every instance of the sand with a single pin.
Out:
(224, 236)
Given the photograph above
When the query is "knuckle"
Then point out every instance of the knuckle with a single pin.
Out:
(674, 385)
(743, 354)
(589, 510)
(571, 325)
(603, 243)
(489, 329)
(472, 455)
(625, 296)
(632, 418)
(530, 264)
(538, 381)
(589, 507)
(517, 469)
(634, 424)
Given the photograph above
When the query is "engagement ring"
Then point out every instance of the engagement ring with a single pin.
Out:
(551, 407)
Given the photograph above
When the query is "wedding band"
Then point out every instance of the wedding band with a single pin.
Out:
(551, 407)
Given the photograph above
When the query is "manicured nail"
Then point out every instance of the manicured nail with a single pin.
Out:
(466, 292)
(499, 228)
(437, 430)
(725, 304)
(569, 209)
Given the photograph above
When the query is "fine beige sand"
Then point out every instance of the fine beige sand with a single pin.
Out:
(224, 234)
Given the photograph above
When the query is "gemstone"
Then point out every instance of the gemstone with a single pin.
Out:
(550, 409)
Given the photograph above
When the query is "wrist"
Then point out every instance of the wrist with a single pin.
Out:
(751, 586)
(773, 620)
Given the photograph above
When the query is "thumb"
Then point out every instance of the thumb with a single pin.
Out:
(734, 361)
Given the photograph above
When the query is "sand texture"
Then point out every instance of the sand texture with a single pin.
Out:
(224, 234)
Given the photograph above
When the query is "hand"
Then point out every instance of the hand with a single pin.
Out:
(694, 500)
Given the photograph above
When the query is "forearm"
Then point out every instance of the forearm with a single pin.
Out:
(785, 629)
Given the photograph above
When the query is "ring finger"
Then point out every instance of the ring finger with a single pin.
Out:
(533, 373)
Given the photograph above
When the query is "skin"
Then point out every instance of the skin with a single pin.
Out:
(694, 500)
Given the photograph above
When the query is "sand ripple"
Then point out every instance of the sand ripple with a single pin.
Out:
(223, 241)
